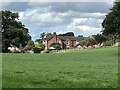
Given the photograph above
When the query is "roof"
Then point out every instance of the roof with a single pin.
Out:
(72, 38)
(80, 38)
(49, 37)
(66, 37)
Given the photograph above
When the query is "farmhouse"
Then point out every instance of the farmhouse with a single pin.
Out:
(65, 41)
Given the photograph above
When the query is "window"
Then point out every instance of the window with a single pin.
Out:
(67, 42)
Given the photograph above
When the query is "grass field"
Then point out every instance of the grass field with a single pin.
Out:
(0, 71)
(95, 68)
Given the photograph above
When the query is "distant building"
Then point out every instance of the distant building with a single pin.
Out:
(65, 41)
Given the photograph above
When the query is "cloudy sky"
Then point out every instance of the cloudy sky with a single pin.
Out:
(82, 18)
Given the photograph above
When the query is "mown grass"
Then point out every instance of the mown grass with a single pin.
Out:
(0, 71)
(95, 68)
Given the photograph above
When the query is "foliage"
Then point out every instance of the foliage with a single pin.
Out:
(13, 31)
(111, 24)
(67, 34)
(80, 35)
(30, 45)
(42, 35)
(100, 38)
(108, 43)
(92, 40)
(88, 42)
(38, 49)
(47, 51)
(39, 41)
(57, 46)
(95, 68)
(49, 34)
(83, 42)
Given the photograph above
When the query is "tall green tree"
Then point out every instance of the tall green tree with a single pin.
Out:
(111, 23)
(13, 31)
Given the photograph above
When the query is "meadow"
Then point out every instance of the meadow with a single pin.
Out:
(94, 68)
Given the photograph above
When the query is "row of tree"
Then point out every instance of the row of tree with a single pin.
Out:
(43, 34)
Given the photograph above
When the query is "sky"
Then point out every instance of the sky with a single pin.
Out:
(83, 17)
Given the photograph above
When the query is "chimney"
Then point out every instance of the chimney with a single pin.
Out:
(54, 33)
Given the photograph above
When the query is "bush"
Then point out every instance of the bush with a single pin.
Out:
(48, 51)
(38, 49)
(30, 45)
(85, 42)
(57, 46)
(108, 43)
(16, 52)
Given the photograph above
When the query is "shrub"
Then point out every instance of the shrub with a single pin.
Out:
(57, 46)
(108, 43)
(38, 49)
(85, 42)
(48, 51)
(30, 45)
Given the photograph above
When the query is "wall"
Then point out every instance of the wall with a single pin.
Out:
(68, 42)
(52, 40)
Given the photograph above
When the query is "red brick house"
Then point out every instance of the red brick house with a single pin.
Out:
(65, 41)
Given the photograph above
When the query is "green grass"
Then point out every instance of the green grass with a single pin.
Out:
(0, 71)
(95, 68)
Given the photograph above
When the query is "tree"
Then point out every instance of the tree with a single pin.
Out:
(40, 41)
(90, 41)
(49, 34)
(30, 45)
(99, 38)
(80, 35)
(13, 31)
(42, 35)
(67, 34)
(57, 46)
(111, 23)
(83, 42)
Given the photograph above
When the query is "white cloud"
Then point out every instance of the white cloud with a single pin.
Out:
(21, 15)
(39, 3)
(33, 35)
(46, 18)
(80, 20)
(88, 28)
(51, 17)
(60, 0)
(4, 4)
(73, 14)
